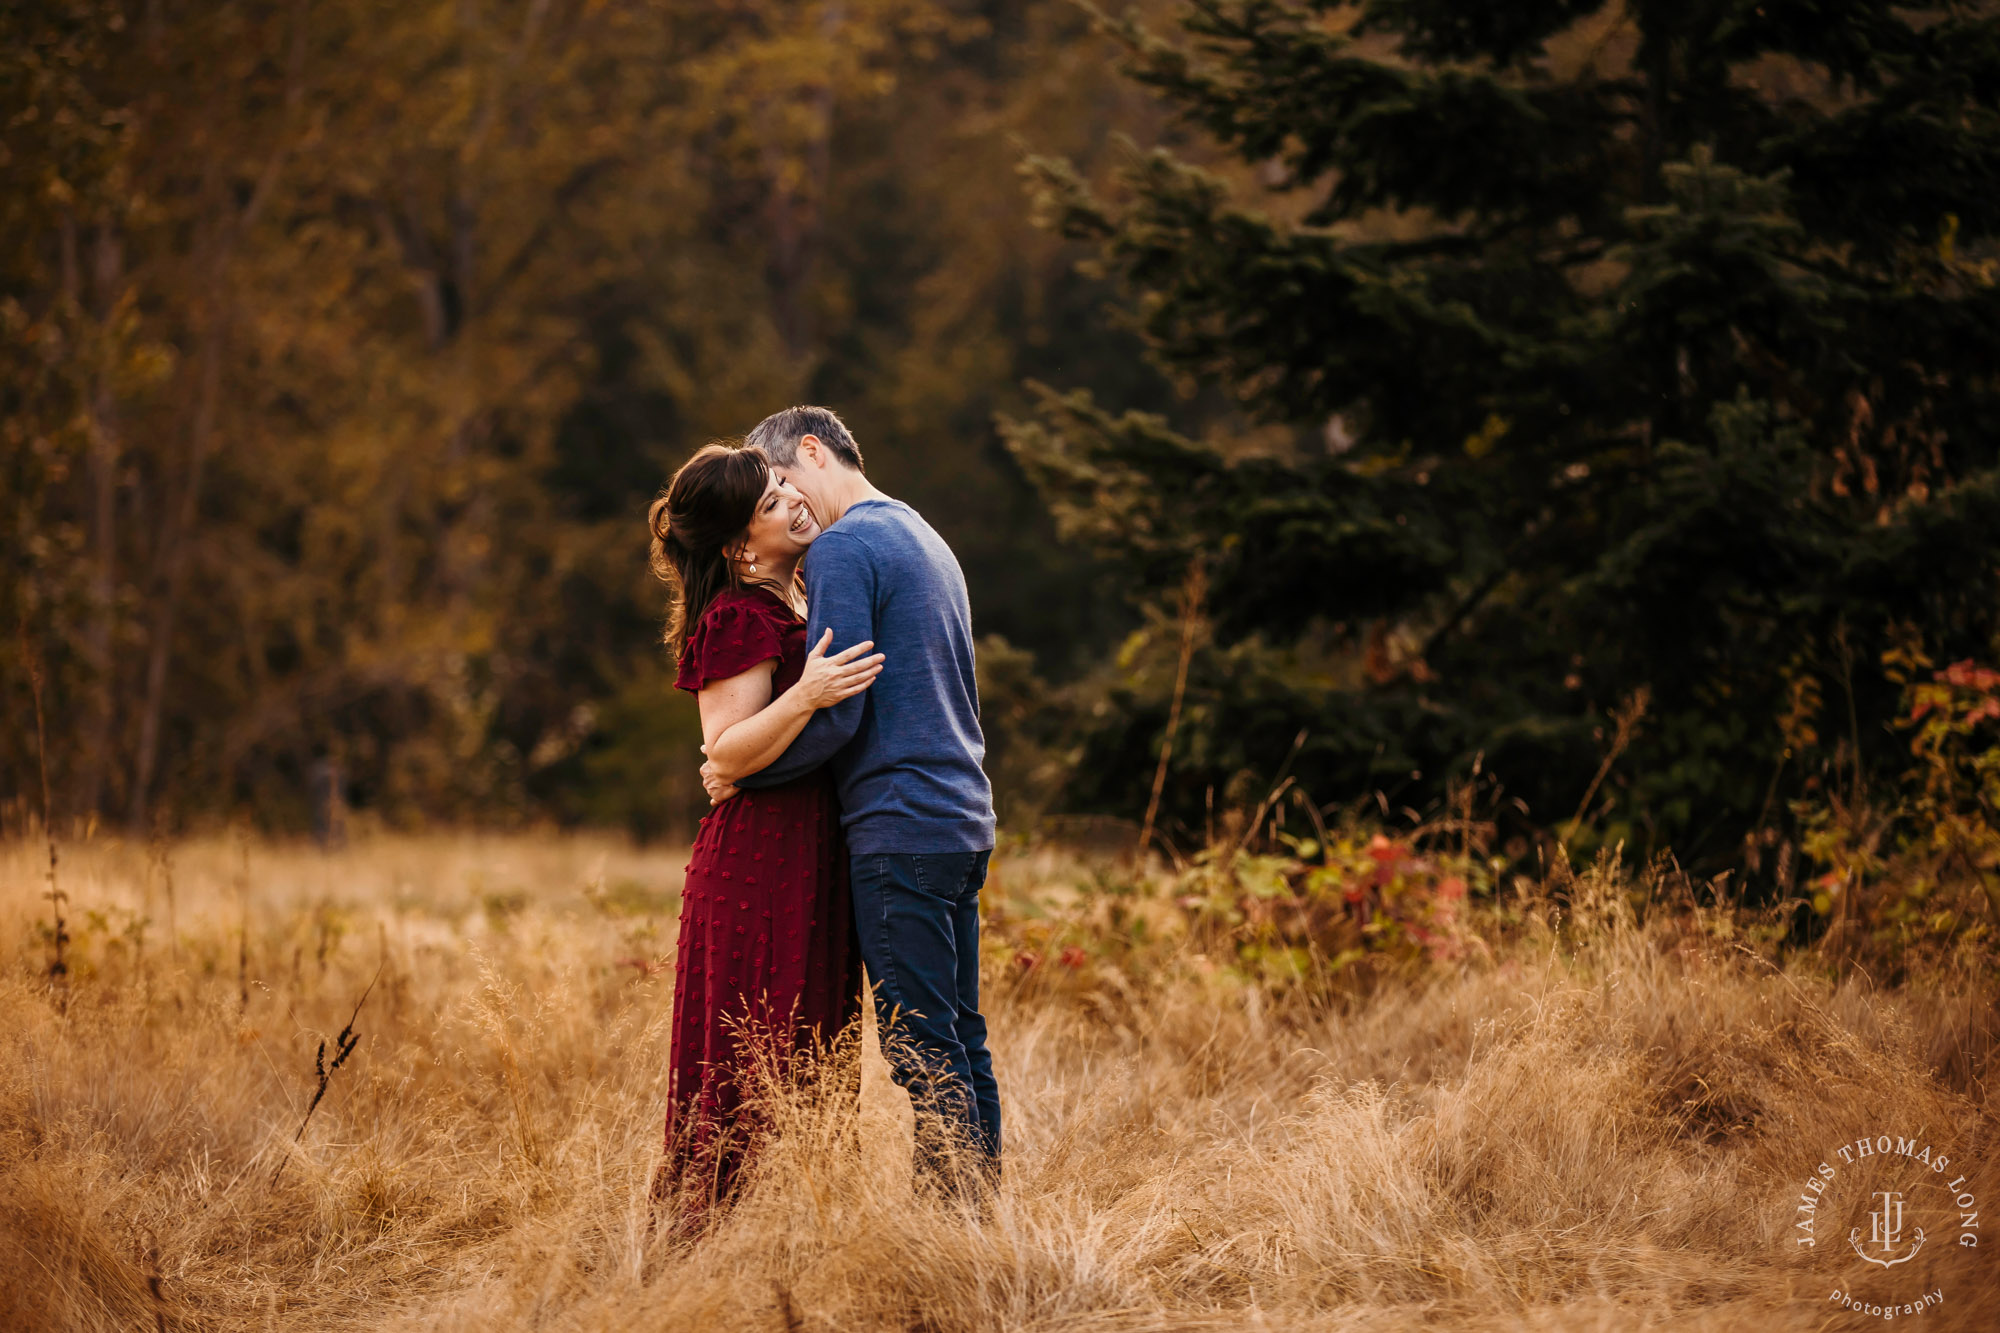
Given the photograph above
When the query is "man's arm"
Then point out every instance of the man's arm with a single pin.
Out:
(840, 592)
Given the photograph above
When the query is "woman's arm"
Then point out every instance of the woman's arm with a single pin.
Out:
(743, 728)
(840, 587)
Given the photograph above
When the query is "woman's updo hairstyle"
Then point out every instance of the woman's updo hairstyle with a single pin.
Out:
(706, 508)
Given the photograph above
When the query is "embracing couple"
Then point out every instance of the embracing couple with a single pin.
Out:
(852, 822)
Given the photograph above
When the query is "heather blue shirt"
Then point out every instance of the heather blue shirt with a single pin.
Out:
(906, 750)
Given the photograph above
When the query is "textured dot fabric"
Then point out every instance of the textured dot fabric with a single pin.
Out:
(740, 628)
(768, 964)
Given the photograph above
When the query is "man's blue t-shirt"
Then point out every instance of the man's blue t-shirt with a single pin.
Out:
(906, 751)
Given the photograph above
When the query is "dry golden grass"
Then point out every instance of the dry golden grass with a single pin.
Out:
(1604, 1127)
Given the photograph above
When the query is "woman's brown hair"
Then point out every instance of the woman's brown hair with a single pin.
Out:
(706, 507)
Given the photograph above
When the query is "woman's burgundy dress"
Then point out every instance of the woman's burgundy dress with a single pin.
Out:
(767, 949)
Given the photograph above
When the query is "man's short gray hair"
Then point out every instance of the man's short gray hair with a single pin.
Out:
(777, 436)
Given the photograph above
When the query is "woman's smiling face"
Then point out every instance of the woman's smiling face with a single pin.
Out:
(782, 526)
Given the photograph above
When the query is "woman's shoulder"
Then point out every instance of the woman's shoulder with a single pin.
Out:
(739, 628)
(727, 604)
(734, 605)
(730, 614)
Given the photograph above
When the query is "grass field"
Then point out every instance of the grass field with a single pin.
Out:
(1597, 1126)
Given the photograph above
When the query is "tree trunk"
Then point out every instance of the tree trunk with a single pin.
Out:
(230, 224)
(797, 210)
(108, 265)
(174, 543)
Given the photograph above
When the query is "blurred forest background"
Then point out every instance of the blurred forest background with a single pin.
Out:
(346, 342)
(1578, 411)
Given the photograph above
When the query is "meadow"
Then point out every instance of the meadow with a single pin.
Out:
(1599, 1116)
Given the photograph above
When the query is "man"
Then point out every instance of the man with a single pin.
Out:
(916, 807)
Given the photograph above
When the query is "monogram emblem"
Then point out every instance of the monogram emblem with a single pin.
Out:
(1885, 1231)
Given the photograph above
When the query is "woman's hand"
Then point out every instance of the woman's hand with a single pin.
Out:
(828, 680)
(746, 729)
(719, 788)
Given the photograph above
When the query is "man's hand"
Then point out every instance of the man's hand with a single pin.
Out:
(719, 789)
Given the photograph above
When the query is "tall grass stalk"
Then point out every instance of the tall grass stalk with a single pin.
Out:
(1626, 720)
(1193, 598)
(58, 971)
(323, 1070)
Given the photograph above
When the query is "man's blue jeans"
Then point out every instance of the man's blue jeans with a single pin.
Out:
(918, 918)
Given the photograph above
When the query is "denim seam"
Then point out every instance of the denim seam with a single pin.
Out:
(887, 953)
(917, 864)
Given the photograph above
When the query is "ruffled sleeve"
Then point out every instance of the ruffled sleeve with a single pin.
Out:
(732, 636)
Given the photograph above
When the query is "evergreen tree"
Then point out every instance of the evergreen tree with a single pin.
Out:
(1621, 346)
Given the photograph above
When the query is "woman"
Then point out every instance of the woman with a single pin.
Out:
(767, 962)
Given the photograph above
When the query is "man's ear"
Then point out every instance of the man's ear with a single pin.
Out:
(811, 447)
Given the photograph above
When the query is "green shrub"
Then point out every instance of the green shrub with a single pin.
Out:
(1918, 868)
